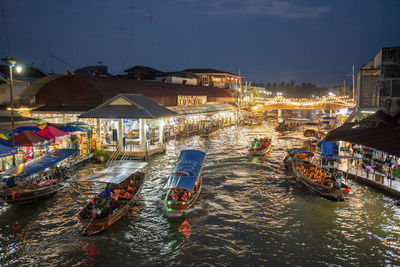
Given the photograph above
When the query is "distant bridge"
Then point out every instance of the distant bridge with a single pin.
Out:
(294, 106)
(326, 103)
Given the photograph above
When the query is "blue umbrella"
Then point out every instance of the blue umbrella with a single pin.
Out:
(71, 129)
(24, 128)
(5, 142)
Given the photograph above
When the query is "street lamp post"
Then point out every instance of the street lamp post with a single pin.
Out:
(12, 63)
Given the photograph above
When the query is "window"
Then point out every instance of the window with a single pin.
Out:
(396, 88)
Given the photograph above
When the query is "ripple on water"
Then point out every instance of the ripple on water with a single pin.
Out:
(250, 213)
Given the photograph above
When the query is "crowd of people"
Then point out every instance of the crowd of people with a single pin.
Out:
(313, 173)
(260, 143)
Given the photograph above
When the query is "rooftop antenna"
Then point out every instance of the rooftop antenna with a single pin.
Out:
(4, 11)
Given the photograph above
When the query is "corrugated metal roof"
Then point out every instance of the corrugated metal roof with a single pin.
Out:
(139, 107)
(207, 109)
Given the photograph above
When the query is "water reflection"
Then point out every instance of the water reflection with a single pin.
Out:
(250, 213)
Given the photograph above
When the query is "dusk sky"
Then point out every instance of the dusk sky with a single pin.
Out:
(268, 40)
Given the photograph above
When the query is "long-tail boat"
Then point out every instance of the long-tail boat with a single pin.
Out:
(36, 178)
(184, 183)
(329, 185)
(260, 147)
(126, 181)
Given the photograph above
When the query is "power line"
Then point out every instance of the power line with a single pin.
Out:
(4, 11)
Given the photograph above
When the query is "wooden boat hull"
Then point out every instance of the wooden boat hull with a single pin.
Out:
(327, 192)
(260, 152)
(24, 194)
(97, 225)
(179, 208)
(213, 133)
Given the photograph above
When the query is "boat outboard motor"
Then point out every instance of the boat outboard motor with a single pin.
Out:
(337, 179)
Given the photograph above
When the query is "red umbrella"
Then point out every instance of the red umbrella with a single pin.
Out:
(29, 138)
(53, 133)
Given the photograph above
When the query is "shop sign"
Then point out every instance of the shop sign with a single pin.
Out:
(191, 100)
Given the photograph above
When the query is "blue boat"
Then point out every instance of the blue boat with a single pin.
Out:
(31, 180)
(184, 183)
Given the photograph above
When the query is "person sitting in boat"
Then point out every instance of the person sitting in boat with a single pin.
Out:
(256, 143)
(108, 192)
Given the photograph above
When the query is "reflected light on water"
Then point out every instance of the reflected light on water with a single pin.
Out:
(250, 212)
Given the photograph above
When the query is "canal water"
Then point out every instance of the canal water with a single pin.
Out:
(250, 213)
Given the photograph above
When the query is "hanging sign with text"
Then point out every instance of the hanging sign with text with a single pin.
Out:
(191, 100)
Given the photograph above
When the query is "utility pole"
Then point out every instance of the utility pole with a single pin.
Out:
(354, 89)
(4, 11)
(344, 87)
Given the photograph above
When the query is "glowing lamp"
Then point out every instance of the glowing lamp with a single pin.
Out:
(18, 68)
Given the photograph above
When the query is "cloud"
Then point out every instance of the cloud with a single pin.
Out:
(276, 8)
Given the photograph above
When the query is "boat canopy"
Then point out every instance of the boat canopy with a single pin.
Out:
(328, 156)
(296, 119)
(301, 151)
(39, 164)
(114, 175)
(186, 170)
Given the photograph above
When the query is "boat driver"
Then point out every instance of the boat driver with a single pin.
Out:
(108, 192)
(107, 195)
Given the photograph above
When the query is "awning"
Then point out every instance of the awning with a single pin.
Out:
(186, 171)
(378, 131)
(114, 175)
(207, 109)
(39, 164)
(7, 151)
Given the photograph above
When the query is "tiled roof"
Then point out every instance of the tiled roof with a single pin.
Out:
(134, 106)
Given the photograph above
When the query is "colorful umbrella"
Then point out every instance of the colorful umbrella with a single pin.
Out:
(29, 138)
(53, 133)
(4, 136)
(72, 129)
(5, 142)
(25, 128)
(44, 125)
